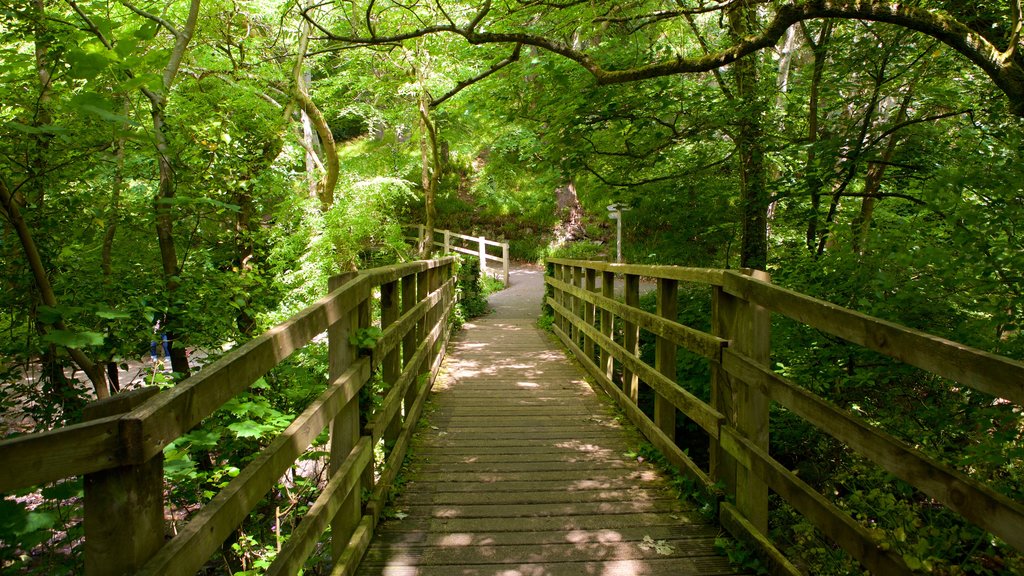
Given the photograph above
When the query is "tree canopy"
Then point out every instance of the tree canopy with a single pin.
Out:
(207, 164)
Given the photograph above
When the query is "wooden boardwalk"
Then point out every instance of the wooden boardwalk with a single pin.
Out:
(522, 470)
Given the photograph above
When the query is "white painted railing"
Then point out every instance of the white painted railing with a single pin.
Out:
(478, 246)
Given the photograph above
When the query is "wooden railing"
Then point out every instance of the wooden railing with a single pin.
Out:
(743, 385)
(478, 246)
(119, 449)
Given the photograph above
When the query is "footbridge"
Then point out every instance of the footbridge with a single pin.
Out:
(504, 450)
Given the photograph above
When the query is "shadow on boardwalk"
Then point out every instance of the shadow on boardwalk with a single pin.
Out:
(522, 470)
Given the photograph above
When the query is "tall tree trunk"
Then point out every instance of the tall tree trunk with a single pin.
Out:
(431, 171)
(812, 173)
(163, 203)
(12, 213)
(873, 182)
(325, 186)
(114, 210)
(750, 147)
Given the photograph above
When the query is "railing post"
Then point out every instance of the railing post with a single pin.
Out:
(392, 367)
(631, 338)
(447, 241)
(559, 295)
(483, 256)
(748, 328)
(588, 312)
(124, 506)
(420, 233)
(436, 315)
(423, 326)
(576, 280)
(608, 291)
(665, 355)
(505, 263)
(345, 426)
(410, 342)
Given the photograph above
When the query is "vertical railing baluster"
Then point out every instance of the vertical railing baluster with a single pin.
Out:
(747, 327)
(631, 338)
(483, 256)
(392, 365)
(608, 291)
(345, 427)
(409, 342)
(665, 355)
(588, 312)
(505, 263)
(124, 506)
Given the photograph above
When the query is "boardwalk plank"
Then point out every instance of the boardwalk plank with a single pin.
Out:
(522, 469)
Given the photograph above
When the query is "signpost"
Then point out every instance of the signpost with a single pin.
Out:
(616, 211)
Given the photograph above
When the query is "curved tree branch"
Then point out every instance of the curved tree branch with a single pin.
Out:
(1005, 72)
(462, 85)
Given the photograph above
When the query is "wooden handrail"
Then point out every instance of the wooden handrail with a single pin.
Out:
(121, 450)
(743, 385)
(479, 249)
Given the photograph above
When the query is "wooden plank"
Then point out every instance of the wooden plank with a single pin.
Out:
(118, 404)
(385, 274)
(654, 435)
(590, 280)
(391, 366)
(208, 528)
(393, 401)
(409, 341)
(665, 355)
(470, 238)
(631, 339)
(178, 410)
(304, 538)
(767, 553)
(123, 500)
(344, 432)
(696, 409)
(348, 561)
(707, 345)
(710, 276)
(391, 468)
(751, 335)
(990, 373)
(833, 522)
(607, 322)
(70, 451)
(395, 333)
(973, 500)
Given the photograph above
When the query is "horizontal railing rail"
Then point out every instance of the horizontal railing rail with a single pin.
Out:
(478, 246)
(743, 385)
(119, 449)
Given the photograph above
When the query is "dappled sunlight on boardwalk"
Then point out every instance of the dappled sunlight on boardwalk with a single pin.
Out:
(520, 469)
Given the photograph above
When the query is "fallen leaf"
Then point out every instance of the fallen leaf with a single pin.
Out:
(660, 546)
(401, 515)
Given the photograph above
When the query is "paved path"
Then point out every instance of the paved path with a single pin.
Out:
(522, 470)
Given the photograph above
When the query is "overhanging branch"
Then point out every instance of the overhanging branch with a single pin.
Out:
(1006, 73)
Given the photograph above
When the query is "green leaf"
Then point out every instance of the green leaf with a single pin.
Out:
(85, 65)
(147, 31)
(70, 339)
(202, 438)
(110, 314)
(247, 429)
(49, 314)
(913, 562)
(64, 490)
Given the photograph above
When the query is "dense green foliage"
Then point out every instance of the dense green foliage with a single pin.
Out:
(210, 164)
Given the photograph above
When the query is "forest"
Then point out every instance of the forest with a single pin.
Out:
(206, 165)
